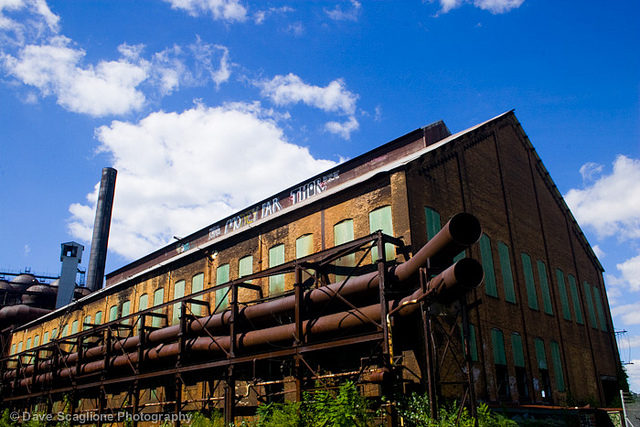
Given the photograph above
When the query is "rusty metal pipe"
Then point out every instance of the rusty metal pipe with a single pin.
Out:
(459, 278)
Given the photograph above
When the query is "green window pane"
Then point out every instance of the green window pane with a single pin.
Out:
(544, 288)
(13, 349)
(54, 333)
(304, 245)
(540, 353)
(143, 302)
(599, 308)
(245, 266)
(458, 257)
(433, 222)
(487, 265)
(590, 308)
(472, 341)
(28, 344)
(222, 295)
(87, 320)
(380, 219)
(99, 318)
(532, 296)
(158, 298)
(36, 341)
(197, 284)
(276, 257)
(65, 331)
(497, 342)
(575, 298)
(507, 274)
(20, 347)
(343, 233)
(557, 365)
(45, 338)
(562, 291)
(74, 327)
(178, 292)
(113, 313)
(126, 310)
(518, 354)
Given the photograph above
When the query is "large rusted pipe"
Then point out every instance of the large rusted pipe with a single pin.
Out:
(459, 278)
(461, 231)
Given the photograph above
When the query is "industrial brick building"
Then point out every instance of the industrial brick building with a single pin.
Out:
(540, 326)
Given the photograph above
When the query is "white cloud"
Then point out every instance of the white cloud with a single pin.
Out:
(178, 172)
(260, 16)
(628, 313)
(598, 251)
(590, 171)
(339, 14)
(343, 129)
(290, 89)
(493, 6)
(611, 204)
(630, 273)
(633, 371)
(227, 10)
(333, 98)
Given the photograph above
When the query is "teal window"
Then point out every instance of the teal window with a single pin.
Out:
(36, 341)
(380, 219)
(540, 353)
(497, 342)
(143, 302)
(518, 354)
(74, 327)
(304, 245)
(472, 341)
(276, 257)
(197, 284)
(544, 288)
(433, 222)
(87, 321)
(532, 296)
(20, 347)
(28, 343)
(113, 313)
(507, 274)
(158, 298)
(590, 308)
(54, 333)
(487, 265)
(45, 338)
(222, 294)
(99, 318)
(343, 233)
(600, 309)
(126, 310)
(557, 365)
(245, 266)
(65, 331)
(562, 291)
(13, 348)
(575, 298)
(178, 292)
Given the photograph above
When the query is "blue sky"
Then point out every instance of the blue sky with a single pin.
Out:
(205, 106)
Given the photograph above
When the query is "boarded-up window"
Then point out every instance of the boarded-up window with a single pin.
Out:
(380, 219)
(575, 299)
(487, 265)
(590, 308)
(304, 245)
(497, 342)
(544, 288)
(472, 341)
(197, 284)
(562, 291)
(532, 296)
(178, 292)
(433, 222)
(540, 353)
(276, 257)
(245, 266)
(507, 274)
(600, 309)
(158, 298)
(222, 294)
(343, 233)
(518, 354)
(557, 365)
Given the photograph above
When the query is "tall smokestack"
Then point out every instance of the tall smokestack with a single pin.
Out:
(98, 257)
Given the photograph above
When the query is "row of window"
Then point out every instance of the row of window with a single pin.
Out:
(593, 298)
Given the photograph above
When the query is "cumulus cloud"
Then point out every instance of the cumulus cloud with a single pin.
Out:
(611, 204)
(178, 172)
(627, 313)
(333, 98)
(633, 370)
(260, 16)
(349, 14)
(35, 18)
(225, 10)
(493, 6)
